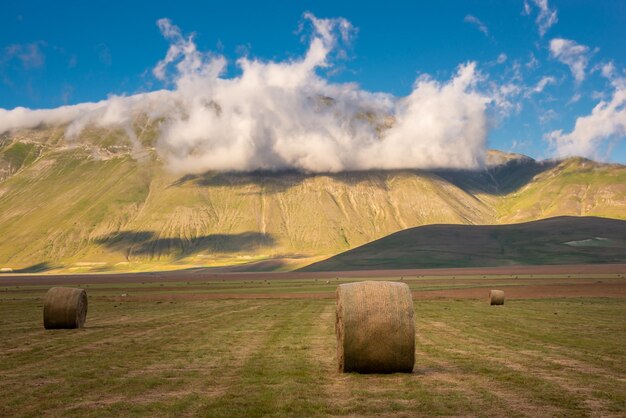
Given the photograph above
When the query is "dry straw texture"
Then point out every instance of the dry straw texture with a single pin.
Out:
(375, 327)
(64, 307)
(496, 297)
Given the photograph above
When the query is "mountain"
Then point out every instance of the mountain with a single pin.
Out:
(560, 240)
(102, 203)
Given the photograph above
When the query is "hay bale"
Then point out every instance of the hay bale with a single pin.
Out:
(375, 327)
(496, 297)
(64, 307)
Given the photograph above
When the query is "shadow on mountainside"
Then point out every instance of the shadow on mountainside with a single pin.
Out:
(499, 180)
(269, 182)
(35, 268)
(496, 180)
(147, 244)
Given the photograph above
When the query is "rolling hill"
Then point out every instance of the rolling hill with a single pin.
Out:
(560, 240)
(99, 204)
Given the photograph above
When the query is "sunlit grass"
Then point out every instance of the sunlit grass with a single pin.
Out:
(277, 357)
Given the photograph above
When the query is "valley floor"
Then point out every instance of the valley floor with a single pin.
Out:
(159, 347)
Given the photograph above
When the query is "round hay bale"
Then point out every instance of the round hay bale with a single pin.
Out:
(496, 297)
(375, 327)
(64, 307)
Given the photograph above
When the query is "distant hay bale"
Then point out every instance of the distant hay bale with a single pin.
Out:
(496, 297)
(375, 327)
(64, 307)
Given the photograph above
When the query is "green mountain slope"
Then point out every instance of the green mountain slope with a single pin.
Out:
(573, 187)
(98, 204)
(561, 240)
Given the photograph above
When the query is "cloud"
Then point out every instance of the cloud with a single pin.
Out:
(608, 70)
(501, 58)
(575, 56)
(66, 93)
(575, 98)
(540, 86)
(438, 125)
(180, 47)
(605, 125)
(547, 116)
(520, 146)
(30, 55)
(532, 63)
(284, 115)
(112, 112)
(478, 23)
(546, 16)
(504, 97)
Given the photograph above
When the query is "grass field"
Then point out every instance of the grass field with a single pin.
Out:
(148, 353)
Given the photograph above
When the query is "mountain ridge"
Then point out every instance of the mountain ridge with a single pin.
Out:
(100, 203)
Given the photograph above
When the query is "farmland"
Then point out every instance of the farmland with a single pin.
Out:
(229, 345)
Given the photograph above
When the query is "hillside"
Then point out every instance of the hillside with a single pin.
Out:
(99, 203)
(561, 240)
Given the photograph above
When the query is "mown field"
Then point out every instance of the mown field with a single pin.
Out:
(154, 353)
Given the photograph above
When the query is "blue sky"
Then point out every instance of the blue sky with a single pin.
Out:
(69, 52)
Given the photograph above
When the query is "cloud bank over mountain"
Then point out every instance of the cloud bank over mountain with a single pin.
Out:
(286, 115)
(291, 114)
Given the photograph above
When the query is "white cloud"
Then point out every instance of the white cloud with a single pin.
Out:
(547, 116)
(605, 124)
(546, 16)
(115, 111)
(575, 56)
(279, 115)
(504, 98)
(540, 86)
(575, 98)
(30, 55)
(437, 125)
(598, 95)
(501, 58)
(520, 146)
(532, 63)
(66, 93)
(608, 70)
(478, 23)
